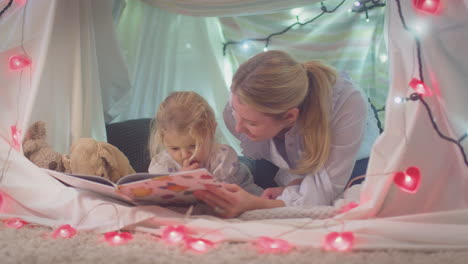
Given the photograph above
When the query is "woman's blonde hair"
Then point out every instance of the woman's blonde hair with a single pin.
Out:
(184, 112)
(273, 82)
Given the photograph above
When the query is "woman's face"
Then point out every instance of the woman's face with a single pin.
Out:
(255, 125)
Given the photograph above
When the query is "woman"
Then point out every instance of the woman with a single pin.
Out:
(303, 118)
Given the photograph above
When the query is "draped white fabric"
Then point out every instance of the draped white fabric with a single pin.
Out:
(161, 48)
(409, 138)
(217, 8)
(64, 87)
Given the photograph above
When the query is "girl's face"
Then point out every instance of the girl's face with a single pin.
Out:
(256, 125)
(180, 146)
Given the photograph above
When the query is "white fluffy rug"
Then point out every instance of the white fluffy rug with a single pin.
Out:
(31, 245)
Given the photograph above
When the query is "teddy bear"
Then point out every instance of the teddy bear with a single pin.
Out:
(36, 149)
(90, 157)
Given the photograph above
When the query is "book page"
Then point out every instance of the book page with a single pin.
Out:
(173, 189)
(137, 177)
(90, 183)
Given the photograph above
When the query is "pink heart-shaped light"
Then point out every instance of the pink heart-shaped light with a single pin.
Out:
(174, 234)
(117, 238)
(272, 245)
(18, 62)
(427, 6)
(409, 180)
(420, 87)
(64, 231)
(198, 245)
(15, 137)
(336, 241)
(15, 223)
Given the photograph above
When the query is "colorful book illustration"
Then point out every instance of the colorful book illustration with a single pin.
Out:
(144, 188)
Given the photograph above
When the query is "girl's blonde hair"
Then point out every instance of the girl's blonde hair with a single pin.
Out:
(184, 112)
(273, 82)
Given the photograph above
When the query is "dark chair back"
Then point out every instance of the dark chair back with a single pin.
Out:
(131, 137)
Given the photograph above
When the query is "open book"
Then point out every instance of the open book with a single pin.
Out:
(144, 188)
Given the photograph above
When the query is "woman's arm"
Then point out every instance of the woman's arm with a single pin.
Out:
(231, 200)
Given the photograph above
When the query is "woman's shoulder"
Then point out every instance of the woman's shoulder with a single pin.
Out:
(342, 90)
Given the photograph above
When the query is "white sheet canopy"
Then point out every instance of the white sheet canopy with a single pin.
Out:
(71, 43)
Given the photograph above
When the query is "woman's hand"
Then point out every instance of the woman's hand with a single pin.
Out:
(231, 200)
(272, 193)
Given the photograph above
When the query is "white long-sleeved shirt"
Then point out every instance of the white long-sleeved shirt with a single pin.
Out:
(223, 163)
(348, 122)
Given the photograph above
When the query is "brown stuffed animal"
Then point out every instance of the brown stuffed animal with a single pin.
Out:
(90, 157)
(37, 150)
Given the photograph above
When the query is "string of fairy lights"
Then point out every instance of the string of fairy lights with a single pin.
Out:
(407, 180)
(358, 7)
(428, 7)
(8, 5)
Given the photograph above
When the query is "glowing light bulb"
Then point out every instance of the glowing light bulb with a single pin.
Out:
(198, 245)
(15, 137)
(409, 180)
(296, 11)
(431, 7)
(336, 241)
(367, 20)
(245, 46)
(15, 223)
(420, 87)
(357, 3)
(117, 238)
(420, 27)
(398, 100)
(174, 234)
(64, 231)
(265, 49)
(18, 62)
(272, 245)
(383, 58)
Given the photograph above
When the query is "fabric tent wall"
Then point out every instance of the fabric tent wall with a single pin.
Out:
(60, 87)
(343, 39)
(409, 138)
(386, 217)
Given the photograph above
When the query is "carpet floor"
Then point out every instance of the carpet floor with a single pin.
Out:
(33, 245)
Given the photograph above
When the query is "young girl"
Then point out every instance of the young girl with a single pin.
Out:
(183, 138)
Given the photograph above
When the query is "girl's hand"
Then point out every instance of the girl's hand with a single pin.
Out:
(231, 200)
(188, 165)
(272, 193)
